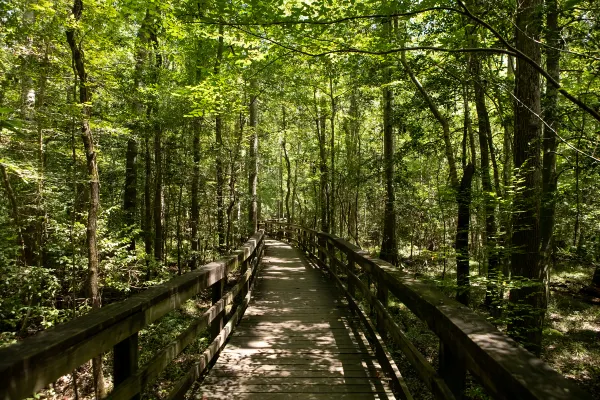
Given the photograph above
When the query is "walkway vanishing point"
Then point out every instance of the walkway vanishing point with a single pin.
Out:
(308, 321)
(297, 338)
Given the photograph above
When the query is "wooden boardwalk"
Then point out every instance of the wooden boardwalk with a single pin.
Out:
(297, 340)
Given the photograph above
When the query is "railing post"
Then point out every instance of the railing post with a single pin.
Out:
(351, 268)
(382, 296)
(321, 244)
(217, 323)
(452, 369)
(125, 360)
(304, 241)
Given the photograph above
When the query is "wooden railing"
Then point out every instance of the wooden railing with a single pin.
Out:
(30, 365)
(467, 341)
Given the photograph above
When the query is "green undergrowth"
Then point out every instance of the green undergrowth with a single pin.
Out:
(151, 340)
(571, 336)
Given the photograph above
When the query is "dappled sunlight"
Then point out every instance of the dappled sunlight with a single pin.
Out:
(297, 338)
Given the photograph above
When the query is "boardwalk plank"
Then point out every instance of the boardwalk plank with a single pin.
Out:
(296, 338)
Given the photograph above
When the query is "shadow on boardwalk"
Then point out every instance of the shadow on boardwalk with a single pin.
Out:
(296, 340)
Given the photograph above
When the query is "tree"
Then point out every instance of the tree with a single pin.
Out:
(85, 97)
(528, 301)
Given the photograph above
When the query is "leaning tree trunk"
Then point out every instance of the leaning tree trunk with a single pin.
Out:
(463, 194)
(528, 300)
(85, 98)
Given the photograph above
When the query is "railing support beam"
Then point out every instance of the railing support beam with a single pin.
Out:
(453, 369)
(218, 323)
(382, 296)
(125, 360)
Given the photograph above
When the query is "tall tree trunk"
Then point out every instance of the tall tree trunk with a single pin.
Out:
(147, 222)
(288, 168)
(195, 211)
(130, 194)
(85, 98)
(528, 301)
(159, 204)
(389, 246)
(253, 162)
(331, 216)
(40, 105)
(219, 156)
(323, 168)
(15, 211)
(463, 198)
(295, 186)
(131, 173)
(549, 142)
(178, 222)
(485, 133)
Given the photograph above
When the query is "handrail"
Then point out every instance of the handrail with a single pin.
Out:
(467, 341)
(28, 366)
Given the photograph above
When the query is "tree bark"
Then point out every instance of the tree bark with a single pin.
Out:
(130, 194)
(219, 156)
(549, 142)
(485, 133)
(15, 212)
(195, 210)
(389, 246)
(253, 162)
(527, 301)
(147, 225)
(463, 198)
(158, 196)
(331, 216)
(323, 168)
(85, 98)
(289, 172)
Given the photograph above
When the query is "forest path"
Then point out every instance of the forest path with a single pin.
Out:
(297, 339)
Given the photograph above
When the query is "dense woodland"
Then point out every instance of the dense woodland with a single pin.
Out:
(457, 139)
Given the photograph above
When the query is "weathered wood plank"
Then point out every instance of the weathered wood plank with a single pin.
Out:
(382, 353)
(294, 396)
(287, 331)
(31, 364)
(505, 369)
(162, 359)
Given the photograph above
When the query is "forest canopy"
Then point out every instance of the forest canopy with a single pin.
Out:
(457, 140)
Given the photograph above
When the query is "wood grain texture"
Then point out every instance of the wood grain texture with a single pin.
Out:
(33, 363)
(297, 338)
(505, 369)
